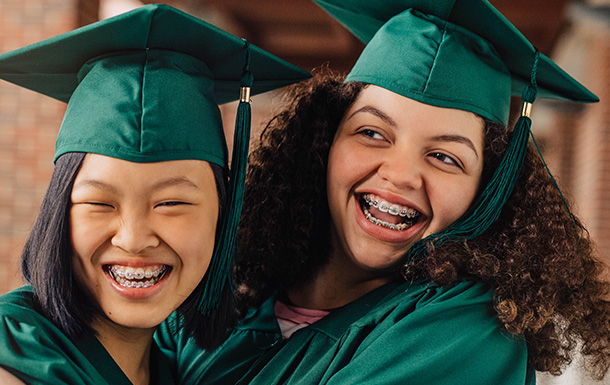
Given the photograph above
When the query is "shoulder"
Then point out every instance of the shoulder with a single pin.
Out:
(22, 327)
(20, 297)
(19, 311)
(429, 293)
(462, 298)
(462, 312)
(20, 307)
(33, 348)
(439, 334)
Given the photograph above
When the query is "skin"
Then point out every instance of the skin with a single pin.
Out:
(7, 378)
(404, 152)
(141, 215)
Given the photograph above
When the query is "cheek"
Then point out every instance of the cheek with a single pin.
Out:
(453, 200)
(194, 242)
(86, 235)
(339, 181)
(347, 166)
(85, 247)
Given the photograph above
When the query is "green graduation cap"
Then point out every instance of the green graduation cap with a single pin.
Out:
(145, 86)
(461, 54)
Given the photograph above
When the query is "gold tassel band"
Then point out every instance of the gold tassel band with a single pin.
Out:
(526, 110)
(244, 94)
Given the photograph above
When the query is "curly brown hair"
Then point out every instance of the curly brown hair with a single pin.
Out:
(538, 258)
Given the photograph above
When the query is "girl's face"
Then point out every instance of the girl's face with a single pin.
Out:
(142, 234)
(398, 171)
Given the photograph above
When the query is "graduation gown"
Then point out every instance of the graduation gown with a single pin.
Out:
(400, 333)
(37, 352)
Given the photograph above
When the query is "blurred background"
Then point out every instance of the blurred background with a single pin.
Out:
(575, 139)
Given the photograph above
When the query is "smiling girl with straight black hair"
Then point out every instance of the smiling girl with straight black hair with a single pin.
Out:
(140, 217)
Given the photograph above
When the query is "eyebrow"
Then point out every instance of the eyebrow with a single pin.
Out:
(169, 182)
(441, 138)
(457, 139)
(175, 181)
(95, 184)
(377, 112)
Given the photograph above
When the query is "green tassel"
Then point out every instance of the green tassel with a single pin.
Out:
(487, 208)
(218, 273)
(489, 204)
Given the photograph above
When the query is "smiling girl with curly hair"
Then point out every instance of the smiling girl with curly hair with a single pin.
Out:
(396, 232)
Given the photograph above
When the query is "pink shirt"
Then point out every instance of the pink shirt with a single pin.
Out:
(291, 318)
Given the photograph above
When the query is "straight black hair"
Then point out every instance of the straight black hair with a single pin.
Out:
(46, 264)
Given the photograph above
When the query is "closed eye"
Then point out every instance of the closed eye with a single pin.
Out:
(171, 204)
(100, 204)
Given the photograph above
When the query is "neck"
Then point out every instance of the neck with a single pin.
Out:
(128, 347)
(336, 285)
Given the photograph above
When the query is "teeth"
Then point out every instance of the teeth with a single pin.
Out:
(137, 273)
(129, 273)
(134, 277)
(387, 225)
(383, 207)
(392, 209)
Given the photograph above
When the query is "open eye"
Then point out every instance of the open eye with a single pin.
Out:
(371, 134)
(444, 158)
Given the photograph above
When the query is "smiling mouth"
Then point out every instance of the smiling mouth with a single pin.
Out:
(137, 277)
(388, 215)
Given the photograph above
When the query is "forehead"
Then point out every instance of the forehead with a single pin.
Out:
(119, 171)
(402, 111)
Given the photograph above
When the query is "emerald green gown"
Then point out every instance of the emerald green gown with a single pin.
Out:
(400, 333)
(37, 352)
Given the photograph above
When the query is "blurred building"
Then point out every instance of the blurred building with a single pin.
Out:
(575, 139)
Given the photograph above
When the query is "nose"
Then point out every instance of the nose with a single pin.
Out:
(402, 168)
(134, 234)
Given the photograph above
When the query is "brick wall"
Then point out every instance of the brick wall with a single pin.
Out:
(578, 136)
(28, 125)
(598, 118)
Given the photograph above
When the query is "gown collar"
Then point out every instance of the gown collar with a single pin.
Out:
(95, 352)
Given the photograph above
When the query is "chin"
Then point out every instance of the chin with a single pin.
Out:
(140, 320)
(380, 266)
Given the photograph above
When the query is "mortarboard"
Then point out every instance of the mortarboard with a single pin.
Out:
(145, 86)
(461, 54)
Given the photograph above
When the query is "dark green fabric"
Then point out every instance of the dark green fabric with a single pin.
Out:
(449, 53)
(37, 352)
(175, 115)
(145, 86)
(401, 333)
